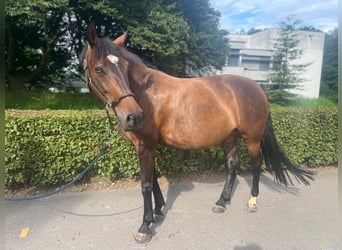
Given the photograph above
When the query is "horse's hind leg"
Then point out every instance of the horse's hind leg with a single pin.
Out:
(232, 164)
(256, 161)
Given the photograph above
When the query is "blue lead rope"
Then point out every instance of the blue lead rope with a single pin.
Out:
(40, 196)
(102, 151)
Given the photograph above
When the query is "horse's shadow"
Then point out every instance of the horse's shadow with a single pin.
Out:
(176, 189)
(173, 192)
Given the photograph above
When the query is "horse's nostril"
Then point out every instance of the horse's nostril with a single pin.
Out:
(130, 120)
(133, 121)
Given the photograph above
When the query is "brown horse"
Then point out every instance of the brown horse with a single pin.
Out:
(194, 113)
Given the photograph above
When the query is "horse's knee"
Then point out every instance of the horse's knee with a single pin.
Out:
(146, 187)
(232, 164)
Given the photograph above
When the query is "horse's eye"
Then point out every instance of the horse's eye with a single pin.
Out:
(99, 70)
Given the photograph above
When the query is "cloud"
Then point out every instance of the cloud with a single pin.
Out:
(247, 14)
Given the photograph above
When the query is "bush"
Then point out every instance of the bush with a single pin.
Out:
(44, 148)
(308, 136)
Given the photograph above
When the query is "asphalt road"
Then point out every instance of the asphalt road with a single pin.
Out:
(296, 217)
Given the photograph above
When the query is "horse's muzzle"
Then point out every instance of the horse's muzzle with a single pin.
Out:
(133, 121)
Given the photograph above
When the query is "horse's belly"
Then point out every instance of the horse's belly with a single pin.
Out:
(196, 137)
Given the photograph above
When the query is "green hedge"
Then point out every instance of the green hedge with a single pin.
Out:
(51, 147)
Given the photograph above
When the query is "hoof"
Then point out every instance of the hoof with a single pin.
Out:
(251, 209)
(218, 209)
(252, 205)
(143, 238)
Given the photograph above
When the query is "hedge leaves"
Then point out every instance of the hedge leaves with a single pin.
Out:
(51, 147)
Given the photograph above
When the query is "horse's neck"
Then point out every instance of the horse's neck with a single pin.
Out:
(138, 76)
(141, 77)
(160, 76)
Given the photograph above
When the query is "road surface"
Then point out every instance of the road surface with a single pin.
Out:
(298, 217)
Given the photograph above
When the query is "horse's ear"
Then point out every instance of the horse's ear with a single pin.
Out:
(92, 34)
(121, 39)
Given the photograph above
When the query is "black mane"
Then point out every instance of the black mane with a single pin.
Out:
(105, 46)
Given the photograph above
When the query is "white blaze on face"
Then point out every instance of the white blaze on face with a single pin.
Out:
(113, 59)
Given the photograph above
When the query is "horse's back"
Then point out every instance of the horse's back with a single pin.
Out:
(242, 94)
(242, 87)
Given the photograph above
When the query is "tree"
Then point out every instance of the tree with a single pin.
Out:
(33, 28)
(285, 75)
(329, 79)
(309, 28)
(207, 43)
(172, 34)
(253, 31)
(157, 32)
(44, 38)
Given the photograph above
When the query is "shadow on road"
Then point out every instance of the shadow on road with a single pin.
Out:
(248, 247)
(175, 190)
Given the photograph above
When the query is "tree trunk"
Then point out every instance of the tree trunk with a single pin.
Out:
(15, 78)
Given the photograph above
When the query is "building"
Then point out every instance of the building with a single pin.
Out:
(251, 56)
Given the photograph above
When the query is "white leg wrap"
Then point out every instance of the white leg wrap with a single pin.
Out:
(252, 205)
(253, 201)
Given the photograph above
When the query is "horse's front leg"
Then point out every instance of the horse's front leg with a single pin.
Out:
(146, 159)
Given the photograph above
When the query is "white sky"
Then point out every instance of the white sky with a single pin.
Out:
(237, 15)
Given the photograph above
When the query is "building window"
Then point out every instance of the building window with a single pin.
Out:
(250, 64)
(256, 62)
(264, 65)
(233, 61)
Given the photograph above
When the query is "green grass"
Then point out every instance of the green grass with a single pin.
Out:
(308, 103)
(40, 100)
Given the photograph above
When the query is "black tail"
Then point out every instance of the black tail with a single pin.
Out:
(276, 160)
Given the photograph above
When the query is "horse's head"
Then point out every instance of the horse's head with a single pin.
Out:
(106, 73)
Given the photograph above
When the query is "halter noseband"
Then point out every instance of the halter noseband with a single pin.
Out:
(111, 103)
